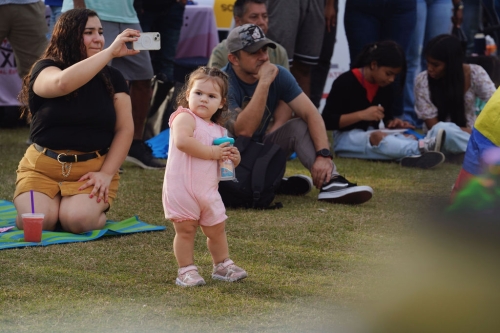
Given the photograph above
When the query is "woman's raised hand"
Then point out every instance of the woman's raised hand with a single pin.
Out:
(119, 49)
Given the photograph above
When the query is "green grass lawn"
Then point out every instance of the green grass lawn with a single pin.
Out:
(309, 263)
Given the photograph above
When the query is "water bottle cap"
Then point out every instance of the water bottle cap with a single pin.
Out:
(223, 139)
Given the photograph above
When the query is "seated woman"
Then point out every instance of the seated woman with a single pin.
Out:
(81, 126)
(445, 94)
(361, 98)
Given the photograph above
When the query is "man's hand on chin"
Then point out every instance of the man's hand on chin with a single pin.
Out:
(267, 72)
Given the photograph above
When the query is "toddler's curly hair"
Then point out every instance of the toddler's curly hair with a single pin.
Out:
(208, 73)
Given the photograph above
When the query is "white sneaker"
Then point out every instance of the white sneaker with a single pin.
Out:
(434, 143)
(188, 277)
(228, 271)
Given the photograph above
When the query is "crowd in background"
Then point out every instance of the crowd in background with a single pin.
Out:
(305, 34)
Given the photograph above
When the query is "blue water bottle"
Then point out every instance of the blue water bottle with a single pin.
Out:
(226, 167)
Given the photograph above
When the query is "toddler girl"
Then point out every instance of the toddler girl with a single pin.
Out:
(190, 195)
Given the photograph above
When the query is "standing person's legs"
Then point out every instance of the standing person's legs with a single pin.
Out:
(217, 241)
(413, 65)
(438, 22)
(320, 71)
(25, 27)
(159, 91)
(471, 22)
(308, 42)
(56, 12)
(298, 26)
(400, 20)
(135, 68)
(362, 24)
(401, 17)
(139, 72)
(433, 18)
(169, 26)
(170, 30)
(284, 18)
(224, 268)
(185, 233)
(140, 95)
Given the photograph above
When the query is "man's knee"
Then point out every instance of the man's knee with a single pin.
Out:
(298, 128)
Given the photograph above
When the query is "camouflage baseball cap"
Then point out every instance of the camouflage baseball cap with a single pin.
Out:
(249, 38)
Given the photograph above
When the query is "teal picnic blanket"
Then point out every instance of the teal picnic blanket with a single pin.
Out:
(15, 237)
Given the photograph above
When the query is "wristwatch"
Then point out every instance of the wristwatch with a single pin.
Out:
(459, 5)
(324, 153)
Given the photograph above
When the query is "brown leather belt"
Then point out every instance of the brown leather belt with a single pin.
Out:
(65, 158)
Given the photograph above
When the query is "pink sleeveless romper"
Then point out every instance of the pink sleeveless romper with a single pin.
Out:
(190, 187)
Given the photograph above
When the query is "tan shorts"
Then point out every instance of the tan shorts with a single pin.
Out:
(43, 174)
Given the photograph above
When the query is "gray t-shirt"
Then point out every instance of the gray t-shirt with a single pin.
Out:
(284, 87)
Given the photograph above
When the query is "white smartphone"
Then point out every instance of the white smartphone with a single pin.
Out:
(147, 41)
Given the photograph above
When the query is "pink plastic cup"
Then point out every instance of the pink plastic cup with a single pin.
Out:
(32, 225)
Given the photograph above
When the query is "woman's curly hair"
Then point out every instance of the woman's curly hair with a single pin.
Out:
(66, 48)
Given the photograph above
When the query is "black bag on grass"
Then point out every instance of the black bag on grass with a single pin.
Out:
(258, 175)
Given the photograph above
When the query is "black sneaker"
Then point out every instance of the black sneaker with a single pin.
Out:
(142, 155)
(340, 190)
(295, 185)
(425, 161)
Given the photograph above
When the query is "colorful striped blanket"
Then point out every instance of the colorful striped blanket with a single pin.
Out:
(14, 237)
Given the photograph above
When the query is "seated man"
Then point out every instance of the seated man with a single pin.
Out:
(255, 12)
(255, 88)
(244, 12)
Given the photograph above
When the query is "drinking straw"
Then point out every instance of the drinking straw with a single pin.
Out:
(32, 202)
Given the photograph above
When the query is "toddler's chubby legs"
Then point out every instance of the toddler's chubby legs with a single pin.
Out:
(224, 268)
(185, 233)
(217, 242)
